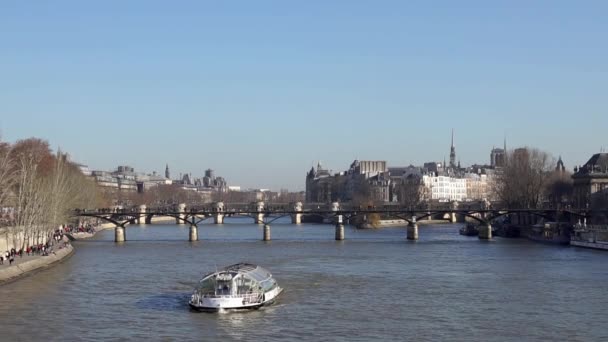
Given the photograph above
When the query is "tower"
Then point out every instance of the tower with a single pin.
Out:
(452, 152)
(167, 174)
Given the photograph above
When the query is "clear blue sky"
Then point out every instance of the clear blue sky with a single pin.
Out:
(257, 90)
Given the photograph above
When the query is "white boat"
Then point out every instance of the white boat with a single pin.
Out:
(238, 286)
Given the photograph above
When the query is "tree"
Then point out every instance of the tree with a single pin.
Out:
(523, 180)
(411, 192)
(42, 189)
(7, 173)
(559, 188)
(32, 160)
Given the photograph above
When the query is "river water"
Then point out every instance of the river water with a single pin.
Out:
(375, 285)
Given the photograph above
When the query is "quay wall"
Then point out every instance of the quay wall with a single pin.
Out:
(15, 272)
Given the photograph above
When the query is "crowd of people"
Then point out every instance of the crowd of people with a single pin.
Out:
(56, 239)
(88, 228)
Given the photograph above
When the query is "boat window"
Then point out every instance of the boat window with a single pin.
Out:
(246, 285)
(206, 286)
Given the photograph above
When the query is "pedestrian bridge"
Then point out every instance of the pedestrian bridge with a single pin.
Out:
(336, 213)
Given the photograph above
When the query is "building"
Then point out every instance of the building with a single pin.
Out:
(445, 188)
(453, 153)
(590, 182)
(477, 186)
(498, 156)
(319, 184)
(368, 167)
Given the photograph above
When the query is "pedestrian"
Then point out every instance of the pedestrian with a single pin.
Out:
(1, 259)
(11, 259)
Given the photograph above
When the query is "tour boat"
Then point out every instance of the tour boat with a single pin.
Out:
(238, 286)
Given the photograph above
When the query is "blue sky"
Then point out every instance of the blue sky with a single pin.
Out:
(258, 90)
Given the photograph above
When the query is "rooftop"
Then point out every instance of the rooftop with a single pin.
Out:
(597, 165)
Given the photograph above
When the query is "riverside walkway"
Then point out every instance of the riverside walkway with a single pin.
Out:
(27, 264)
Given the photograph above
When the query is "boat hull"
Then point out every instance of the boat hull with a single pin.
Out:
(217, 304)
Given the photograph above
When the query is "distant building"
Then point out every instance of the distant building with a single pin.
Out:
(368, 167)
(498, 156)
(590, 181)
(445, 188)
(318, 185)
(453, 153)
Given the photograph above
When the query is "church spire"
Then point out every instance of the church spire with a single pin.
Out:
(167, 174)
(452, 152)
(452, 146)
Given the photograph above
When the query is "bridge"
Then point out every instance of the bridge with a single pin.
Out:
(335, 212)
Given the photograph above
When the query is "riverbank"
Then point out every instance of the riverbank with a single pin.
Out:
(28, 265)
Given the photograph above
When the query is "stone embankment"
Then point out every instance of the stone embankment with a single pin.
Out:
(32, 264)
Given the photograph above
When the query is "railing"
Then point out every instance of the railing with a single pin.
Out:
(248, 297)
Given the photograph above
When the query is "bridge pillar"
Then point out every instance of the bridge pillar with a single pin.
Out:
(259, 216)
(335, 207)
(193, 233)
(218, 217)
(412, 230)
(485, 231)
(297, 217)
(181, 209)
(119, 234)
(453, 217)
(266, 236)
(339, 229)
(142, 214)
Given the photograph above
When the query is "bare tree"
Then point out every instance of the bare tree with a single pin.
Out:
(7, 173)
(559, 188)
(523, 180)
(411, 192)
(31, 163)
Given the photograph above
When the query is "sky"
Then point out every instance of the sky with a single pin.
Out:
(261, 90)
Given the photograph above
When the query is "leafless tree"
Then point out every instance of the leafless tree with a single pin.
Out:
(559, 188)
(7, 173)
(411, 192)
(522, 182)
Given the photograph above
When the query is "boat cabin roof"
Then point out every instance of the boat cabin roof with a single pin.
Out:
(250, 270)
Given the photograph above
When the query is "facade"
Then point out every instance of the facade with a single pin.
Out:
(445, 188)
(319, 184)
(590, 181)
(368, 167)
(498, 156)
(477, 186)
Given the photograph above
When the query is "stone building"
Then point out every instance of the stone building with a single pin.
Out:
(590, 182)
(319, 184)
(498, 156)
(364, 179)
(445, 188)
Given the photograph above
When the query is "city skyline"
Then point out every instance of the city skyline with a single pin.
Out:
(202, 85)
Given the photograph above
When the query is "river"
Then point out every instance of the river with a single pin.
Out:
(375, 285)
